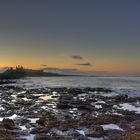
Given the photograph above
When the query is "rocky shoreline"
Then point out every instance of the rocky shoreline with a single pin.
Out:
(68, 114)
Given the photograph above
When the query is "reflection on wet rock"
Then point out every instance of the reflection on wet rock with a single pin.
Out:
(68, 114)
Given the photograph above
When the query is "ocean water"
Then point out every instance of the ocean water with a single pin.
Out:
(123, 85)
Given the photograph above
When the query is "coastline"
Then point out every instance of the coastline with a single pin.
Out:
(68, 113)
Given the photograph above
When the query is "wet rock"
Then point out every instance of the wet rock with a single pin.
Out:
(23, 121)
(64, 125)
(130, 135)
(22, 102)
(7, 136)
(8, 123)
(107, 119)
(7, 82)
(63, 106)
(65, 97)
(22, 95)
(113, 134)
(136, 125)
(82, 138)
(41, 121)
(125, 125)
(21, 139)
(74, 109)
(95, 131)
(85, 107)
(130, 118)
(42, 137)
(120, 98)
(39, 129)
(88, 120)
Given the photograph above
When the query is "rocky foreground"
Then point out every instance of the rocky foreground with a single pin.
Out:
(68, 114)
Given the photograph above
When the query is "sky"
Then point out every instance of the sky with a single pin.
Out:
(71, 35)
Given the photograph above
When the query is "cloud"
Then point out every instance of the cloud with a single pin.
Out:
(77, 57)
(44, 65)
(70, 71)
(85, 64)
(59, 69)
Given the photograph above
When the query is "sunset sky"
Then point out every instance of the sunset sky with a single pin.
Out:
(87, 35)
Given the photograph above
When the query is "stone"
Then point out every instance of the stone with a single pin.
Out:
(8, 123)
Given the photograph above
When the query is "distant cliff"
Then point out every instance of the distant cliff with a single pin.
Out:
(20, 72)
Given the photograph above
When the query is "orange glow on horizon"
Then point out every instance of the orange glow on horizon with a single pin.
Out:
(106, 68)
(62, 61)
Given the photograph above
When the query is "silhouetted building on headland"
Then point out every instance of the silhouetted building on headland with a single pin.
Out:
(12, 73)
(20, 72)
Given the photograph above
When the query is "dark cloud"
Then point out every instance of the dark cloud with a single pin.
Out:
(77, 57)
(85, 64)
(72, 71)
(69, 71)
(60, 69)
(44, 65)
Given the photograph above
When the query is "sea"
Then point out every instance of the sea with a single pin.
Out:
(123, 85)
